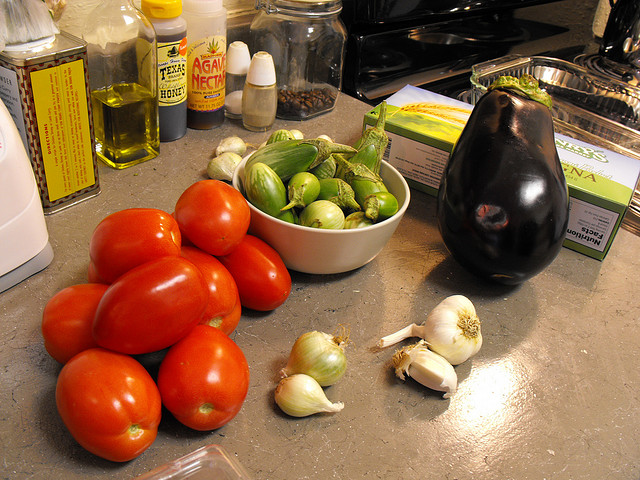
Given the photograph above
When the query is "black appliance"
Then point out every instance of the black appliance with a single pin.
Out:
(433, 43)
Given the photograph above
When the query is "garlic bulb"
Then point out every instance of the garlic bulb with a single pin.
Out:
(320, 356)
(300, 396)
(451, 329)
(426, 367)
(223, 166)
(231, 144)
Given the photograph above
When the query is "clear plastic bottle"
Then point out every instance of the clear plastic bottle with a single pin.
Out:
(171, 36)
(206, 54)
(121, 48)
(260, 96)
(307, 41)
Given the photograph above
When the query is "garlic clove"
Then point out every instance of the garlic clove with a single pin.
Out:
(231, 144)
(223, 166)
(426, 367)
(300, 396)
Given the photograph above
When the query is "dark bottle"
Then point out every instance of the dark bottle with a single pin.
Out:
(171, 36)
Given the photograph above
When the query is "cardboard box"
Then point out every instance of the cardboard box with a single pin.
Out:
(423, 127)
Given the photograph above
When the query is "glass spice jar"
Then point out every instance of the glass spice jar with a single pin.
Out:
(306, 39)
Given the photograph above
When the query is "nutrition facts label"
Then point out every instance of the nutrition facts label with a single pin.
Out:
(590, 225)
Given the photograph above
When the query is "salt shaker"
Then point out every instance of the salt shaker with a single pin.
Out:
(260, 95)
(238, 60)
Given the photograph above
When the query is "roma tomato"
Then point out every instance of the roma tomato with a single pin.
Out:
(131, 237)
(229, 322)
(109, 404)
(223, 291)
(151, 307)
(67, 320)
(204, 379)
(262, 278)
(92, 275)
(213, 215)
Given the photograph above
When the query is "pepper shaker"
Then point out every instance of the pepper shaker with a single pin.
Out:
(260, 95)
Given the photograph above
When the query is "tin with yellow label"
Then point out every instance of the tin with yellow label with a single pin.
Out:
(45, 88)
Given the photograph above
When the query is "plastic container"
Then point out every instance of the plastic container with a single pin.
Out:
(260, 96)
(121, 46)
(210, 462)
(206, 64)
(238, 61)
(307, 42)
(24, 239)
(171, 36)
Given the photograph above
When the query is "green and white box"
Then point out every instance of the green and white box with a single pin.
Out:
(423, 127)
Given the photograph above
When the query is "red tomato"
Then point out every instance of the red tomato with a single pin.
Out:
(223, 291)
(204, 379)
(151, 307)
(229, 322)
(92, 275)
(131, 237)
(262, 278)
(67, 320)
(213, 215)
(109, 403)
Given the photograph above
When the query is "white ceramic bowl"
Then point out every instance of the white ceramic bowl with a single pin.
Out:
(323, 251)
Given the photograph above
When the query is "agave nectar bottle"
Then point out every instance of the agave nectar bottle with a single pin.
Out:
(121, 47)
(206, 62)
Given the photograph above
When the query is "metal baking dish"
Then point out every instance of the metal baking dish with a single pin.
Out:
(587, 106)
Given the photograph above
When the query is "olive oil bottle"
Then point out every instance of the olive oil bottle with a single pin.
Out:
(122, 62)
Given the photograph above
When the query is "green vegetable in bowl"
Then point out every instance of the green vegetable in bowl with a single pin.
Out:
(380, 206)
(357, 220)
(322, 214)
(326, 169)
(339, 192)
(264, 189)
(302, 189)
(289, 157)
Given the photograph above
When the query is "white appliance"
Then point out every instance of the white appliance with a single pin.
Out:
(24, 239)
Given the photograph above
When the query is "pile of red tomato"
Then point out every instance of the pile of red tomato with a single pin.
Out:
(173, 284)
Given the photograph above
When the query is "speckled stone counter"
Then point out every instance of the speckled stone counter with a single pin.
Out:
(553, 393)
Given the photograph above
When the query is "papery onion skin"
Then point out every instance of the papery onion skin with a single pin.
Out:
(318, 355)
(300, 396)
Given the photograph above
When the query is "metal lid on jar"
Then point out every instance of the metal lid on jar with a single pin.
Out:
(301, 7)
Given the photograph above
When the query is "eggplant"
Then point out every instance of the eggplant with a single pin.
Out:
(503, 203)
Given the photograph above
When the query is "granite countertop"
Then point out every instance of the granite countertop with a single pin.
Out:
(553, 393)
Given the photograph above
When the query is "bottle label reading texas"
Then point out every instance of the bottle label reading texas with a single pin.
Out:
(172, 72)
(206, 59)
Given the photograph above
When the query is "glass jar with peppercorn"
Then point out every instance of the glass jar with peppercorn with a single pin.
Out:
(306, 40)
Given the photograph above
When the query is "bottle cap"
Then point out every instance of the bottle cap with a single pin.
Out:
(161, 8)
(262, 71)
(238, 58)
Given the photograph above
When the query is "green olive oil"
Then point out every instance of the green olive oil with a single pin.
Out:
(126, 124)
